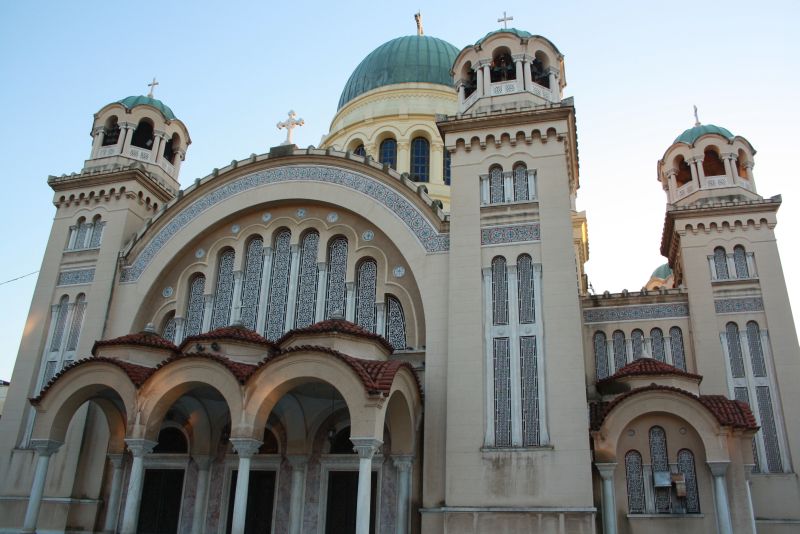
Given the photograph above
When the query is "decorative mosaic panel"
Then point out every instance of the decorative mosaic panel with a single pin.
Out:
(251, 283)
(404, 209)
(740, 305)
(502, 392)
(395, 323)
(307, 282)
(529, 381)
(769, 431)
(223, 296)
(501, 235)
(636, 313)
(76, 277)
(686, 466)
(367, 278)
(635, 482)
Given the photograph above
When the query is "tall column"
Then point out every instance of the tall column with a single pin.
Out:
(700, 172)
(245, 448)
(672, 185)
(728, 163)
(97, 142)
(199, 516)
(112, 507)
(487, 79)
(479, 80)
(297, 496)
(350, 302)
(44, 448)
(158, 140)
(748, 167)
(322, 288)
(526, 73)
(518, 58)
(127, 134)
(133, 500)
(693, 168)
(718, 470)
(236, 311)
(461, 93)
(208, 312)
(403, 466)
(291, 299)
(555, 90)
(380, 318)
(366, 448)
(609, 504)
(263, 298)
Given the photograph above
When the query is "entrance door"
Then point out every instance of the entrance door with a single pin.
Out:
(340, 515)
(161, 501)
(260, 501)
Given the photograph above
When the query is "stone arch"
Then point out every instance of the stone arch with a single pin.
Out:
(402, 413)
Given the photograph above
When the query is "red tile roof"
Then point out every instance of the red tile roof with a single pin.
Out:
(728, 412)
(648, 367)
(231, 333)
(140, 339)
(241, 371)
(340, 326)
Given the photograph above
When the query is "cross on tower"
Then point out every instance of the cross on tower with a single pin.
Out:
(696, 118)
(505, 20)
(152, 86)
(290, 124)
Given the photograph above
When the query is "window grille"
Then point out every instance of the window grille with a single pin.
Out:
(337, 266)
(499, 291)
(279, 286)
(395, 323)
(620, 358)
(61, 322)
(721, 263)
(502, 392)
(496, 186)
(251, 282)
(168, 332)
(678, 354)
(600, 358)
(195, 306)
(635, 482)
(97, 234)
(521, 183)
(223, 296)
(529, 391)
(756, 350)
(77, 321)
(740, 262)
(657, 341)
(365, 294)
(637, 341)
(741, 393)
(307, 282)
(526, 297)
(447, 164)
(660, 464)
(686, 467)
(734, 350)
(769, 430)
(80, 237)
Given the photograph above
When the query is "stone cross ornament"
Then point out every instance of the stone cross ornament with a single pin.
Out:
(290, 124)
(152, 86)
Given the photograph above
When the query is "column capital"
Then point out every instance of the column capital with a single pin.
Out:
(483, 63)
(45, 447)
(606, 469)
(203, 461)
(403, 462)
(297, 461)
(294, 248)
(139, 447)
(718, 469)
(245, 447)
(520, 57)
(366, 447)
(669, 173)
(116, 459)
(748, 165)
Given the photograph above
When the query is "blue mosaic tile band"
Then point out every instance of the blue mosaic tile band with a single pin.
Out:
(636, 313)
(76, 277)
(500, 235)
(740, 305)
(426, 233)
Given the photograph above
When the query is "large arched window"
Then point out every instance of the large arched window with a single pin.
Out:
(637, 342)
(600, 358)
(223, 296)
(496, 185)
(195, 305)
(97, 232)
(660, 464)
(366, 284)
(525, 290)
(279, 286)
(420, 159)
(676, 343)
(77, 321)
(143, 135)
(251, 282)
(81, 232)
(60, 324)
(307, 283)
(529, 390)
(635, 482)
(734, 350)
(337, 271)
(756, 349)
(721, 263)
(740, 262)
(620, 358)
(657, 342)
(395, 323)
(502, 68)
(388, 152)
(521, 182)
(686, 467)
(360, 150)
(501, 357)
(499, 291)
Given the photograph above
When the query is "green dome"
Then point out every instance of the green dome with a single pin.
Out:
(413, 58)
(693, 134)
(663, 272)
(522, 34)
(133, 101)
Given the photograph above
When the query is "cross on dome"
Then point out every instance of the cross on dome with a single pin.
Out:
(290, 124)
(418, 18)
(152, 86)
(505, 20)
(696, 119)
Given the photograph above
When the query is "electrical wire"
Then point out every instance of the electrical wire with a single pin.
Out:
(18, 278)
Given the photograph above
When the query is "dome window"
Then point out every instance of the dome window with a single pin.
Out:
(143, 135)
(360, 150)
(388, 153)
(420, 159)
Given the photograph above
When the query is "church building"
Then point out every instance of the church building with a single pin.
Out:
(393, 332)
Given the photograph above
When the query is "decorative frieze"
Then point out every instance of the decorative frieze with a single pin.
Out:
(501, 235)
(76, 277)
(739, 305)
(641, 312)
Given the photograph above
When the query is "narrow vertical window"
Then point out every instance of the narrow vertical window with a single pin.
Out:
(635, 482)
(620, 358)
(769, 430)
(420, 159)
(686, 467)
(168, 331)
(388, 153)
(734, 350)
(660, 464)
(223, 295)
(279, 286)
(657, 341)
(600, 358)
(307, 282)
(521, 182)
(395, 323)
(740, 262)
(337, 267)
(637, 342)
(446, 171)
(366, 284)
(678, 354)
(502, 392)
(195, 305)
(80, 238)
(721, 263)
(525, 290)
(60, 325)
(496, 185)
(77, 322)
(741, 394)
(97, 233)
(499, 291)
(251, 283)
(756, 350)
(529, 382)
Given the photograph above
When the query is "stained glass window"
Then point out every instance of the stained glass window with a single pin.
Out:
(525, 289)
(446, 171)
(769, 431)
(734, 350)
(502, 392)
(60, 324)
(337, 267)
(676, 342)
(395, 323)
(660, 463)
(420, 159)
(620, 358)
(223, 297)
(307, 282)
(97, 234)
(686, 466)
(499, 291)
(496, 186)
(756, 350)
(529, 381)
(195, 306)
(251, 282)
(388, 152)
(521, 182)
(657, 341)
(279, 286)
(637, 341)
(366, 283)
(741, 394)
(168, 332)
(77, 320)
(600, 358)
(740, 262)
(635, 482)
(721, 263)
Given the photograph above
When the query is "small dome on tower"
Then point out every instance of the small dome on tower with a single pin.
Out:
(522, 34)
(696, 132)
(133, 101)
(662, 271)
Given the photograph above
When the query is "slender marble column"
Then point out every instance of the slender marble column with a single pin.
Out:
(380, 322)
(130, 517)
(461, 93)
(518, 66)
(718, 470)
(112, 509)
(609, 504)
(479, 78)
(199, 516)
(45, 449)
(298, 463)
(236, 308)
(526, 74)
(555, 91)
(245, 448)
(366, 448)
(403, 465)
(350, 302)
(263, 300)
(487, 79)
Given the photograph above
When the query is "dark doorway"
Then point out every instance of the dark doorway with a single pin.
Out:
(340, 516)
(260, 500)
(161, 501)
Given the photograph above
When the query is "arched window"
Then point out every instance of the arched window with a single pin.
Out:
(251, 282)
(279, 286)
(635, 482)
(756, 349)
(446, 171)
(637, 342)
(195, 305)
(77, 321)
(111, 131)
(171, 147)
(97, 232)
(223, 296)
(721, 263)
(769, 430)
(81, 232)
(388, 152)
(684, 175)
(496, 185)
(337, 267)
(734, 350)
(660, 463)
(620, 358)
(366, 284)
(395, 323)
(501, 359)
(60, 324)
(521, 182)
(676, 342)
(340, 443)
(740, 262)
(529, 390)
(470, 79)
(741, 160)
(502, 68)
(168, 329)
(657, 341)
(686, 467)
(540, 69)
(307, 282)
(499, 291)
(525, 290)
(712, 164)
(171, 441)
(600, 358)
(420, 159)
(143, 135)
(360, 150)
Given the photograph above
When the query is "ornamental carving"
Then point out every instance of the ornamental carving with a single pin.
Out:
(500, 235)
(740, 305)
(636, 313)
(76, 277)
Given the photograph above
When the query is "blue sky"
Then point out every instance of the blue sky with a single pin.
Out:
(231, 70)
